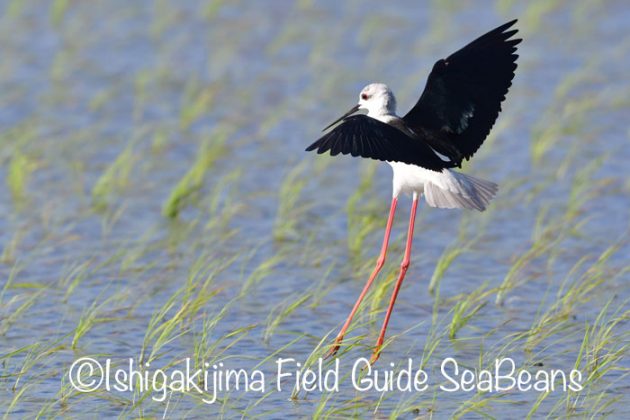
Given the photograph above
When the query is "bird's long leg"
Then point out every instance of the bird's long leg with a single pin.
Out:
(403, 270)
(379, 264)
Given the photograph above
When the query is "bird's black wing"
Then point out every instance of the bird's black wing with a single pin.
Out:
(463, 94)
(360, 135)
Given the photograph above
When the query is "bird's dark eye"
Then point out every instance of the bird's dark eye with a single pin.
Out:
(364, 96)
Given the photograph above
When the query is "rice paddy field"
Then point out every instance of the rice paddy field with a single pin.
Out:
(157, 205)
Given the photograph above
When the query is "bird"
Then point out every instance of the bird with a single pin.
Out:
(457, 109)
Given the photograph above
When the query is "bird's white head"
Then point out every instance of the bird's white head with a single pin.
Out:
(377, 99)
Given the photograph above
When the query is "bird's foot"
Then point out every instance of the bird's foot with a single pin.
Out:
(375, 355)
(377, 351)
(334, 348)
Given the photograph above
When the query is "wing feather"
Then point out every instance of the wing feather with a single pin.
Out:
(360, 135)
(462, 98)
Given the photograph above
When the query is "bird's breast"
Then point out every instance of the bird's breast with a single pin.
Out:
(410, 179)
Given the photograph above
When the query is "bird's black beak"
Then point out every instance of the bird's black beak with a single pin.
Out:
(347, 114)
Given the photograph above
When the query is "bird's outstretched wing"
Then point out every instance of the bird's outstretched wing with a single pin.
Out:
(463, 94)
(360, 135)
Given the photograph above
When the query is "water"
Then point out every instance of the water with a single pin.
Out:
(79, 85)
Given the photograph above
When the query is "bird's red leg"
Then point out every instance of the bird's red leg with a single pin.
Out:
(379, 264)
(403, 270)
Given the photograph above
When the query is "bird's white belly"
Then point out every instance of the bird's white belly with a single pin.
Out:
(410, 179)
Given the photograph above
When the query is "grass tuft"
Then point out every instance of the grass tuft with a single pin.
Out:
(189, 185)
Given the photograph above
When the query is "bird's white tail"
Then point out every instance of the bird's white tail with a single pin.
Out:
(452, 190)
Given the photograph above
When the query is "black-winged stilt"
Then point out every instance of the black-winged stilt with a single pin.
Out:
(460, 103)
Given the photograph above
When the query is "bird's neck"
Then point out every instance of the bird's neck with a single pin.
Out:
(382, 114)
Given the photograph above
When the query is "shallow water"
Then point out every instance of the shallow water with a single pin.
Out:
(85, 241)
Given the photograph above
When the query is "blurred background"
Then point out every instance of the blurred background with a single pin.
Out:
(156, 202)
